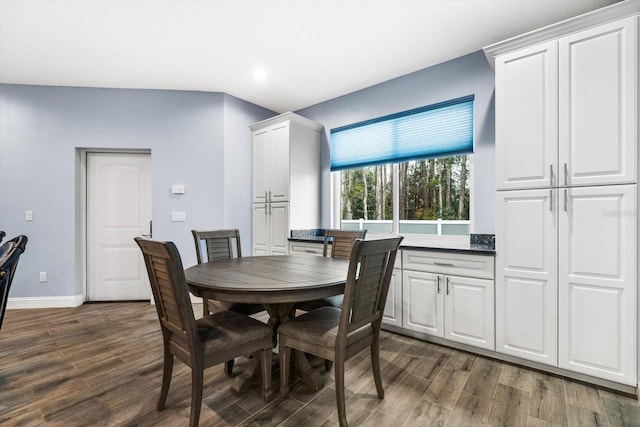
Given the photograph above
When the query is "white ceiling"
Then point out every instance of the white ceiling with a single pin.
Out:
(310, 50)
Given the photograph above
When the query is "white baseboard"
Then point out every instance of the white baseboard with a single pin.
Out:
(45, 302)
(59, 302)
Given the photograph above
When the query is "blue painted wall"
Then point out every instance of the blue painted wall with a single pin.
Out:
(198, 139)
(470, 74)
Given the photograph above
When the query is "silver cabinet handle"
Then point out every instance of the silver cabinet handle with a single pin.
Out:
(566, 175)
(565, 199)
(447, 279)
(550, 200)
(443, 264)
(438, 284)
(269, 196)
(551, 174)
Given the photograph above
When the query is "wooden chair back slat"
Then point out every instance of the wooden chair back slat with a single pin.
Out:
(168, 284)
(341, 242)
(219, 244)
(370, 270)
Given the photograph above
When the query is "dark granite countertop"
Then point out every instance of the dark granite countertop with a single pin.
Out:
(478, 244)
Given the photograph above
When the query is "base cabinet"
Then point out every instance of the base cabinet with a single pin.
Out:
(453, 307)
(438, 300)
(597, 282)
(270, 229)
(566, 278)
(305, 248)
(526, 275)
(393, 309)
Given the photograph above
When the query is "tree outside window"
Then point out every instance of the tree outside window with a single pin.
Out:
(433, 196)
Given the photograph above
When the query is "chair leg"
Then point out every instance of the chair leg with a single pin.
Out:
(285, 358)
(196, 394)
(205, 307)
(265, 361)
(340, 392)
(228, 367)
(166, 377)
(375, 365)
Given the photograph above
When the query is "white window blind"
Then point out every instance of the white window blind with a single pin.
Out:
(437, 130)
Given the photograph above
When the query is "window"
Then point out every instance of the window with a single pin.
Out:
(408, 172)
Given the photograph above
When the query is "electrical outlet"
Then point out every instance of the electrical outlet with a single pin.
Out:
(29, 215)
(43, 276)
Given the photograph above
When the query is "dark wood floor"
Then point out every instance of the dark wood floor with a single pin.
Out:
(100, 365)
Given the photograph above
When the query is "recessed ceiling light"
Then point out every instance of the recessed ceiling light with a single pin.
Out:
(260, 74)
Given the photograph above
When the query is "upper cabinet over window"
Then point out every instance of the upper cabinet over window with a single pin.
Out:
(565, 110)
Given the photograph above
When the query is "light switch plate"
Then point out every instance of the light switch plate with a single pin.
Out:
(177, 189)
(178, 216)
(29, 215)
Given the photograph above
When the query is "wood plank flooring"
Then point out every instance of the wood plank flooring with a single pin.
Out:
(101, 365)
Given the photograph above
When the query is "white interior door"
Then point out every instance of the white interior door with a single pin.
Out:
(118, 209)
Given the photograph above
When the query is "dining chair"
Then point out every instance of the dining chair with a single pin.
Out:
(337, 244)
(338, 334)
(10, 252)
(210, 340)
(221, 244)
(2, 234)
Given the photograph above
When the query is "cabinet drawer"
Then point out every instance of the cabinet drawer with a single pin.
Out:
(468, 265)
(303, 248)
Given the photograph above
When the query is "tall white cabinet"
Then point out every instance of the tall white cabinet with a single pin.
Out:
(286, 180)
(566, 206)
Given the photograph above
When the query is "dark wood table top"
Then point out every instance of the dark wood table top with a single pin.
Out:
(268, 279)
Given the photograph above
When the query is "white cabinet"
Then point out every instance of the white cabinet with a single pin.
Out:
(597, 282)
(526, 274)
(597, 114)
(393, 308)
(448, 306)
(270, 228)
(469, 311)
(566, 278)
(271, 163)
(526, 118)
(306, 248)
(565, 110)
(566, 229)
(286, 180)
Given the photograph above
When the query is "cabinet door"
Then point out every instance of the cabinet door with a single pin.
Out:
(526, 118)
(393, 308)
(279, 162)
(260, 229)
(468, 308)
(597, 112)
(597, 282)
(526, 274)
(423, 304)
(260, 166)
(279, 228)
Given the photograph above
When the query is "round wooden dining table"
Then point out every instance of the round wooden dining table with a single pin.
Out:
(278, 283)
